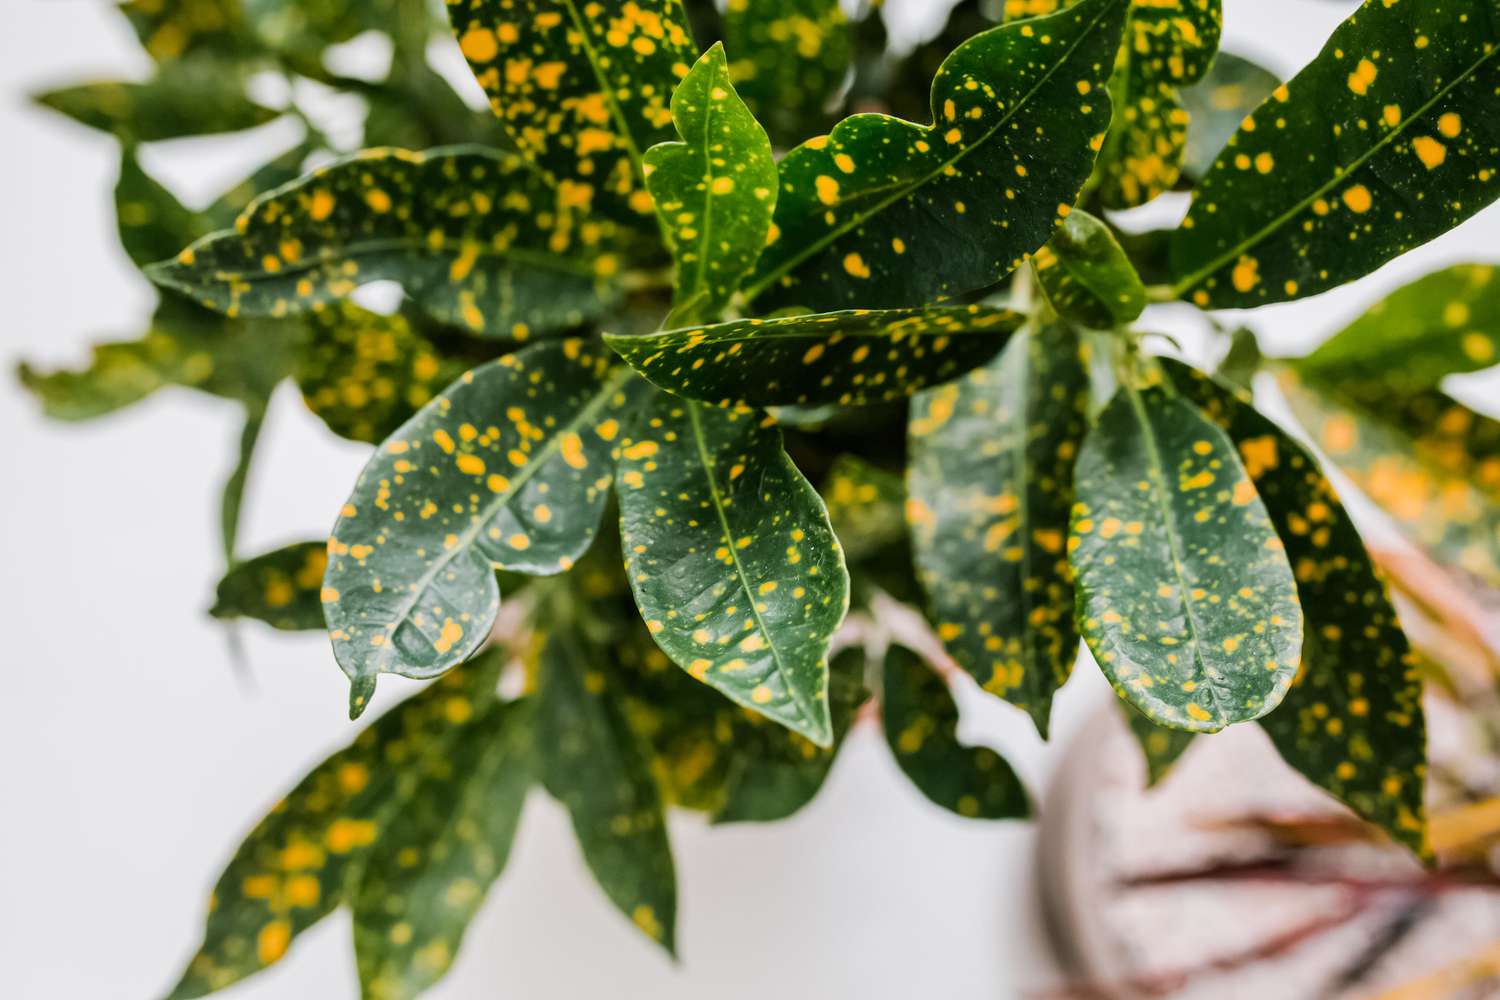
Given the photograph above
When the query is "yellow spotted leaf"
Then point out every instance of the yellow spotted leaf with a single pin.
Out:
(279, 588)
(1086, 276)
(786, 57)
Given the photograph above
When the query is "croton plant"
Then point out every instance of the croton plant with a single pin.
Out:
(819, 324)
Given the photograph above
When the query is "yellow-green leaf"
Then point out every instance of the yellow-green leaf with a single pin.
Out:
(1086, 276)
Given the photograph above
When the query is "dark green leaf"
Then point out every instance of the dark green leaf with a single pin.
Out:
(303, 858)
(991, 485)
(186, 98)
(153, 223)
(789, 57)
(1087, 277)
(279, 588)
(428, 874)
(232, 498)
(1161, 747)
(866, 506)
(714, 192)
(884, 213)
(921, 726)
(1218, 103)
(592, 763)
(1385, 141)
(1444, 324)
(849, 358)
(364, 374)
(731, 557)
(464, 230)
(1185, 595)
(1352, 722)
(508, 469)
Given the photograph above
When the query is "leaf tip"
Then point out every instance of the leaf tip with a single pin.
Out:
(361, 691)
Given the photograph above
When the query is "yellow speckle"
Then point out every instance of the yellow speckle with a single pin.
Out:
(1265, 163)
(761, 695)
(1450, 125)
(471, 465)
(856, 266)
(828, 189)
(844, 162)
(272, 941)
(479, 44)
(1358, 199)
(344, 835)
(1195, 711)
(1363, 75)
(723, 185)
(1246, 274)
(378, 200)
(1431, 152)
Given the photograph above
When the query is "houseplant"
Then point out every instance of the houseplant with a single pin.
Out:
(639, 313)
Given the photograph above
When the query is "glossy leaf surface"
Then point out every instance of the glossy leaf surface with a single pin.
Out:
(990, 479)
(787, 57)
(427, 876)
(714, 191)
(1086, 276)
(1352, 722)
(1385, 141)
(507, 469)
(1185, 595)
(887, 214)
(592, 762)
(921, 727)
(734, 565)
(465, 231)
(1217, 104)
(849, 358)
(279, 588)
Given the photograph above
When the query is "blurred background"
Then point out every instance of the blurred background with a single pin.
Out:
(136, 757)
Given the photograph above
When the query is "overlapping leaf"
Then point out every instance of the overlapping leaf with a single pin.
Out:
(279, 588)
(301, 861)
(592, 762)
(1385, 141)
(850, 358)
(1161, 747)
(465, 230)
(921, 727)
(507, 469)
(1087, 277)
(1352, 722)
(190, 97)
(427, 875)
(153, 224)
(990, 478)
(1217, 104)
(886, 214)
(866, 506)
(787, 58)
(714, 191)
(1185, 595)
(731, 557)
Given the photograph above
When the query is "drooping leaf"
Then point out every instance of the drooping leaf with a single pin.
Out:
(1383, 142)
(886, 214)
(1161, 747)
(1446, 323)
(788, 58)
(850, 358)
(153, 224)
(1443, 497)
(583, 89)
(592, 762)
(1087, 277)
(1352, 722)
(866, 506)
(508, 469)
(1185, 595)
(428, 874)
(190, 97)
(279, 588)
(921, 727)
(364, 374)
(714, 191)
(731, 557)
(232, 497)
(1216, 105)
(464, 230)
(302, 859)
(990, 478)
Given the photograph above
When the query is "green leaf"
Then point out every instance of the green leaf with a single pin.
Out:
(427, 876)
(583, 89)
(1446, 323)
(850, 358)
(921, 727)
(1380, 144)
(508, 469)
(172, 29)
(714, 192)
(305, 856)
(990, 478)
(464, 230)
(1218, 103)
(866, 506)
(1431, 463)
(187, 98)
(731, 557)
(1185, 595)
(272, 174)
(592, 762)
(232, 498)
(789, 58)
(1352, 722)
(279, 588)
(300, 30)
(364, 375)
(1160, 746)
(153, 224)
(886, 214)
(1086, 276)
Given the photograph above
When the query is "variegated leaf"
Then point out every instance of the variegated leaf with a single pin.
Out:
(787, 57)
(279, 588)
(866, 506)
(1218, 103)
(1161, 747)
(1086, 276)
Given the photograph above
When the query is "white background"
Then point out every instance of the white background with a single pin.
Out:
(132, 760)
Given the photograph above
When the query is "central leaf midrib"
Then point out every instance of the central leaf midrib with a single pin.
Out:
(550, 262)
(833, 235)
